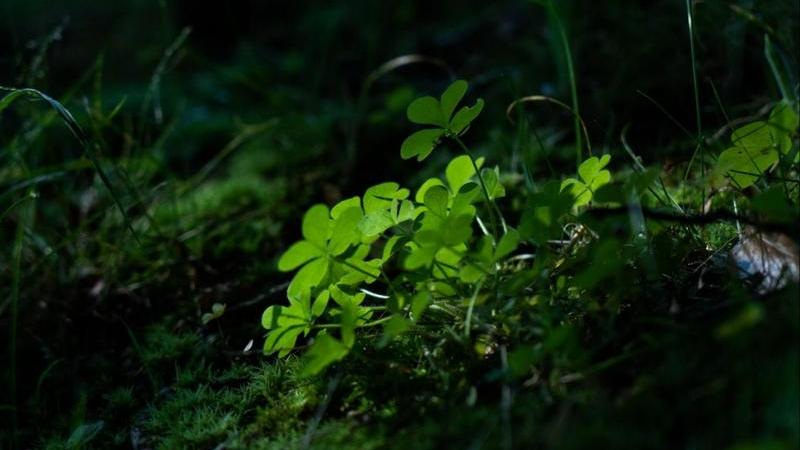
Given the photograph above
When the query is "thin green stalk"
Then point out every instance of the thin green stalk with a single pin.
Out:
(468, 319)
(374, 323)
(573, 85)
(494, 211)
(12, 342)
(690, 20)
(776, 72)
(700, 146)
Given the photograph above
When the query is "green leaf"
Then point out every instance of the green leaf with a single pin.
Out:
(592, 178)
(325, 351)
(217, 310)
(426, 111)
(350, 318)
(380, 196)
(755, 150)
(507, 244)
(286, 323)
(342, 298)
(463, 200)
(84, 434)
(405, 211)
(419, 304)
(745, 167)
(393, 328)
(450, 98)
(491, 178)
(459, 171)
(344, 205)
(421, 143)
(540, 219)
(345, 230)
(592, 168)
(783, 121)
(375, 223)
(278, 316)
(320, 303)
(754, 137)
(436, 199)
(308, 277)
(465, 116)
(456, 230)
(419, 197)
(282, 340)
(389, 247)
(298, 254)
(581, 192)
(419, 257)
(316, 225)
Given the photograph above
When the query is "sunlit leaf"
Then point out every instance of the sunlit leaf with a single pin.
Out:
(421, 143)
(450, 98)
(325, 351)
(459, 171)
(419, 197)
(426, 111)
(436, 199)
(345, 230)
(308, 277)
(465, 116)
(298, 254)
(316, 225)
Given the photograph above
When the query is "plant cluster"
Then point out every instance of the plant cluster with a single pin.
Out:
(436, 250)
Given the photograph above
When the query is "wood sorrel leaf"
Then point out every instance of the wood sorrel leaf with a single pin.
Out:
(298, 254)
(436, 199)
(316, 225)
(325, 351)
(450, 98)
(426, 111)
(459, 171)
(465, 116)
(754, 151)
(421, 143)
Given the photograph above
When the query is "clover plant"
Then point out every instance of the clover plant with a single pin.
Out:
(427, 243)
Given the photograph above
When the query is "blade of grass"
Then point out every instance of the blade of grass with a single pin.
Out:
(79, 134)
(573, 85)
(700, 146)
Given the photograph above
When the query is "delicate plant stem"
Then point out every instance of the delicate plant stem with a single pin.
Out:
(374, 323)
(468, 319)
(573, 85)
(12, 350)
(690, 19)
(701, 147)
(490, 204)
(776, 72)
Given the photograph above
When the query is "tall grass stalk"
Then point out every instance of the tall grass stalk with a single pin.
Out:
(699, 147)
(25, 217)
(573, 84)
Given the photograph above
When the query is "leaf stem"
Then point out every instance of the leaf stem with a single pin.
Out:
(494, 212)
(468, 319)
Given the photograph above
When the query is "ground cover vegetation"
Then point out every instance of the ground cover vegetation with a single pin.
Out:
(524, 224)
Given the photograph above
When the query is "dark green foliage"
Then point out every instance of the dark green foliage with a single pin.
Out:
(182, 170)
